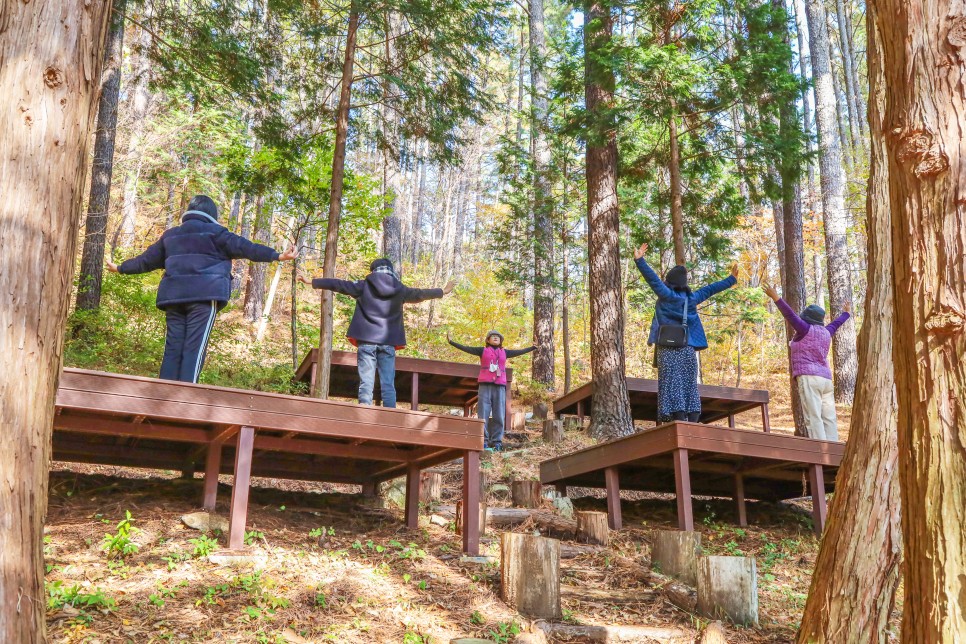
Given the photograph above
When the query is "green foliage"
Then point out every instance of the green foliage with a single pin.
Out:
(505, 632)
(252, 535)
(203, 546)
(59, 595)
(120, 543)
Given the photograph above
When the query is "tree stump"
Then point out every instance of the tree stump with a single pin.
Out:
(540, 410)
(459, 518)
(430, 486)
(525, 494)
(714, 633)
(572, 424)
(530, 574)
(553, 431)
(518, 421)
(592, 528)
(728, 587)
(675, 553)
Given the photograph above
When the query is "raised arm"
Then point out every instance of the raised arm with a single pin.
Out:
(712, 289)
(151, 259)
(476, 351)
(237, 247)
(841, 319)
(352, 289)
(513, 353)
(653, 279)
(799, 325)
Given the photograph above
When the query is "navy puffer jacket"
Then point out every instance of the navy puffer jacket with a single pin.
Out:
(196, 258)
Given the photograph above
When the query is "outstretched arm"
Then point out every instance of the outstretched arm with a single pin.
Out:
(476, 351)
(653, 279)
(237, 247)
(352, 289)
(841, 319)
(151, 259)
(799, 325)
(714, 288)
(513, 353)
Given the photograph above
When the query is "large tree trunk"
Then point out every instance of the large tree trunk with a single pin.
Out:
(543, 273)
(832, 172)
(851, 71)
(322, 375)
(924, 46)
(139, 100)
(95, 229)
(391, 224)
(612, 411)
(674, 174)
(857, 570)
(50, 66)
(255, 285)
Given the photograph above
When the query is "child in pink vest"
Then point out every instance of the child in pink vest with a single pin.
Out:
(492, 398)
(809, 352)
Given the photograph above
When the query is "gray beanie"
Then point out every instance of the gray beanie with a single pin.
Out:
(492, 333)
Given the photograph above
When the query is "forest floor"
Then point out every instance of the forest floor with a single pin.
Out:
(327, 567)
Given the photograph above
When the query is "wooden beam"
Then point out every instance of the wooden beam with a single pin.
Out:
(614, 518)
(740, 500)
(341, 450)
(240, 488)
(412, 497)
(221, 434)
(415, 391)
(471, 503)
(682, 487)
(816, 480)
(212, 470)
(111, 427)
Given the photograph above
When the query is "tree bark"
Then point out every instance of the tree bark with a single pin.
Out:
(832, 173)
(139, 99)
(857, 571)
(565, 317)
(95, 229)
(391, 224)
(924, 48)
(255, 286)
(51, 85)
(674, 172)
(543, 273)
(612, 411)
(851, 83)
(322, 374)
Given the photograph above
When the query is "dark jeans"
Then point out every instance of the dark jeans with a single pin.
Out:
(381, 358)
(189, 326)
(492, 409)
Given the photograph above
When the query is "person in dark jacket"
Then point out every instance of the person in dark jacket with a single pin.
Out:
(491, 404)
(376, 329)
(196, 258)
(677, 367)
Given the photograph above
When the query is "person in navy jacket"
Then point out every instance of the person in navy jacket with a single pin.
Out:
(196, 258)
(677, 367)
(376, 329)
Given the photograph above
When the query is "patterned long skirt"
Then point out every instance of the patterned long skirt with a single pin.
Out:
(677, 381)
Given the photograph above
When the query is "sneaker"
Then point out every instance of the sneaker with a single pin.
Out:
(498, 447)
(487, 449)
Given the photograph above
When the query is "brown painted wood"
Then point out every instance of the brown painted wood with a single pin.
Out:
(240, 488)
(111, 427)
(816, 483)
(765, 421)
(412, 497)
(471, 500)
(740, 500)
(212, 469)
(682, 486)
(614, 519)
(415, 391)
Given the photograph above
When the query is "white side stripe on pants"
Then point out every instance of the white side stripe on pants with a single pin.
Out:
(204, 345)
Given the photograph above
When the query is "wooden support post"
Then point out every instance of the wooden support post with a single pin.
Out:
(682, 489)
(816, 480)
(508, 419)
(530, 574)
(315, 369)
(740, 500)
(731, 421)
(212, 469)
(571, 424)
(525, 494)
(580, 412)
(592, 528)
(765, 422)
(415, 396)
(562, 490)
(553, 431)
(412, 496)
(675, 553)
(370, 489)
(613, 498)
(728, 587)
(431, 486)
(240, 488)
(471, 502)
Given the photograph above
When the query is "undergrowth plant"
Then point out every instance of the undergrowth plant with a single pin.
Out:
(120, 543)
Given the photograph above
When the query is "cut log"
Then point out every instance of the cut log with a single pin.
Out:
(581, 633)
(430, 486)
(714, 633)
(459, 518)
(682, 596)
(675, 553)
(552, 524)
(608, 596)
(728, 588)
(518, 423)
(592, 528)
(530, 574)
(572, 424)
(572, 551)
(553, 431)
(525, 494)
(531, 638)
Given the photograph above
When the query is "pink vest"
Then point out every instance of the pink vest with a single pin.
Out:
(496, 357)
(810, 354)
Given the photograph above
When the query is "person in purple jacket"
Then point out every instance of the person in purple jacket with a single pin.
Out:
(809, 350)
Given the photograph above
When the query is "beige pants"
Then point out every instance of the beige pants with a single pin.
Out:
(818, 403)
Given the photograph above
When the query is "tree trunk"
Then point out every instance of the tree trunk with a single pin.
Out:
(565, 317)
(851, 71)
(51, 84)
(832, 173)
(924, 45)
(612, 411)
(140, 97)
(843, 114)
(530, 574)
(674, 172)
(95, 229)
(255, 288)
(322, 375)
(543, 250)
(235, 211)
(391, 224)
(857, 570)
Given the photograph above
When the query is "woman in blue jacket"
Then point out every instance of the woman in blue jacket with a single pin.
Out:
(677, 367)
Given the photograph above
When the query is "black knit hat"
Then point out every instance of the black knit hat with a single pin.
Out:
(204, 203)
(677, 277)
(382, 261)
(814, 314)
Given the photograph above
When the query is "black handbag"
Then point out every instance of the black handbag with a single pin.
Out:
(674, 335)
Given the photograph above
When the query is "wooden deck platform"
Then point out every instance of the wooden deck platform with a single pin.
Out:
(717, 403)
(690, 458)
(124, 420)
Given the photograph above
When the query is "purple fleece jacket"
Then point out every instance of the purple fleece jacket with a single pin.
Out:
(811, 343)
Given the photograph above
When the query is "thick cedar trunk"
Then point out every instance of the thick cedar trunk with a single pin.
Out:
(543, 273)
(674, 172)
(832, 172)
(255, 286)
(95, 229)
(322, 375)
(51, 85)
(139, 99)
(857, 570)
(612, 412)
(924, 47)
(565, 318)
(391, 224)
